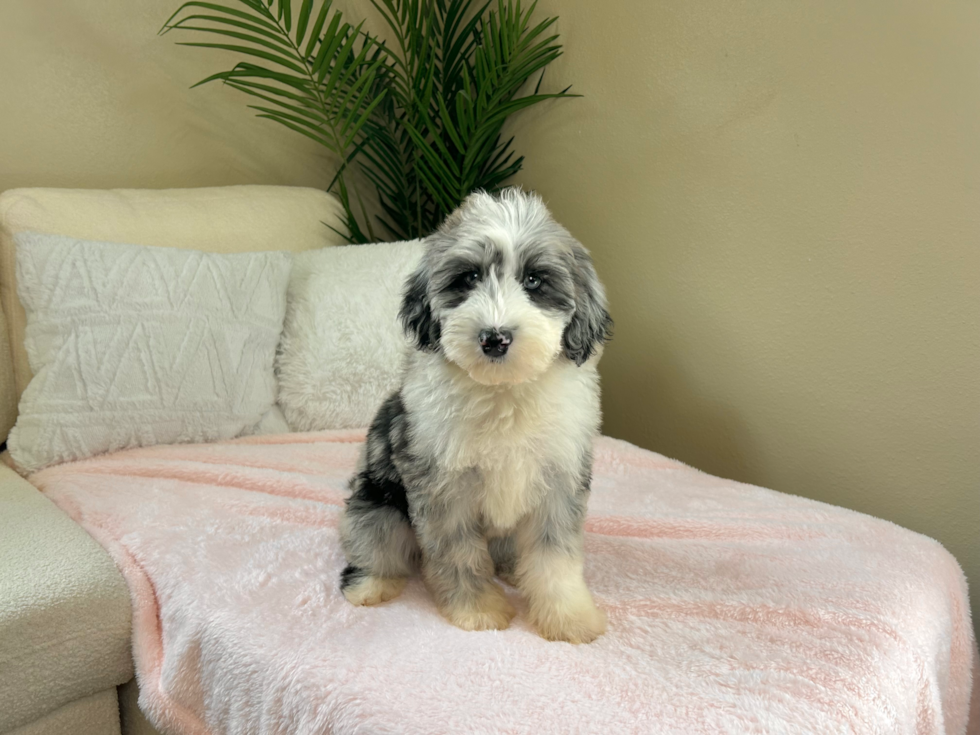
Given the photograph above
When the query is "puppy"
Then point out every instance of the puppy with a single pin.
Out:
(480, 464)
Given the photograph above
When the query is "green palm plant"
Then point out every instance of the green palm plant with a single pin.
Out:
(419, 115)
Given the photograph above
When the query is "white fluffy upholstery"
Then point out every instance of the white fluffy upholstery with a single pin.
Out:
(133, 345)
(341, 348)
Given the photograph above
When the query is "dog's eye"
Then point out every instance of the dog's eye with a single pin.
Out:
(471, 278)
(531, 281)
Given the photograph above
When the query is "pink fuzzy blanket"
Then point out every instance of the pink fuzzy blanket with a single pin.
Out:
(732, 609)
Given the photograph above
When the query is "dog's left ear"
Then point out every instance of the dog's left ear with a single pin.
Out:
(416, 311)
(591, 325)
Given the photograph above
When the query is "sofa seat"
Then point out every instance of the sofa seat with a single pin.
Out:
(64, 618)
(96, 714)
(64, 607)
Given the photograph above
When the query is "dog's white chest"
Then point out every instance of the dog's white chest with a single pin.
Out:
(508, 494)
(503, 449)
(505, 444)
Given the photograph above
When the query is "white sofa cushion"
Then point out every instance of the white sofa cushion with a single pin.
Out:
(342, 345)
(219, 220)
(133, 345)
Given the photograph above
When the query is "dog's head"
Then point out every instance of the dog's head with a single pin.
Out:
(503, 291)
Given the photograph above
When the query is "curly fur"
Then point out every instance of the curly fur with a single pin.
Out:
(480, 464)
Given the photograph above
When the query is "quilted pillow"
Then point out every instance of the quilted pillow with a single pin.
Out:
(133, 345)
(342, 345)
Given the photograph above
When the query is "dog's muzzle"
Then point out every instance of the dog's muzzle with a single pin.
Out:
(495, 342)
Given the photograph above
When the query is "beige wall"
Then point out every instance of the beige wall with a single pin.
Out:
(783, 199)
(91, 97)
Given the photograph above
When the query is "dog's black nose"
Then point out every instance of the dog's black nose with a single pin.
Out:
(495, 342)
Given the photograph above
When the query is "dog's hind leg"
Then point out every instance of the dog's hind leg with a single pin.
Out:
(375, 530)
(381, 550)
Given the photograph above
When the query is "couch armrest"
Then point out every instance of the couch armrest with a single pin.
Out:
(64, 608)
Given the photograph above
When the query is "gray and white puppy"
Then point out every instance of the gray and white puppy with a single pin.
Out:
(480, 463)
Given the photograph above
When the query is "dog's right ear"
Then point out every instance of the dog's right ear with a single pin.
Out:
(416, 311)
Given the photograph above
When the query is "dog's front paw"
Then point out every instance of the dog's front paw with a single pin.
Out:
(577, 622)
(492, 611)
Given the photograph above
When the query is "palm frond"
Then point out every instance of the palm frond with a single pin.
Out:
(421, 118)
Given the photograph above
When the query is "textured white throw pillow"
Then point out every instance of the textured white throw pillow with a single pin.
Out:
(133, 345)
(342, 345)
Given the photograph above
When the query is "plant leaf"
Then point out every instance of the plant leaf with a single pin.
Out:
(274, 58)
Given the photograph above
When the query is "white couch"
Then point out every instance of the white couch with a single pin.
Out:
(64, 607)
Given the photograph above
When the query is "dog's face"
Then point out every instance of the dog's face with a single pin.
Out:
(503, 291)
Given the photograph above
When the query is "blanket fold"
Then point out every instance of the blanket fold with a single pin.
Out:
(732, 609)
